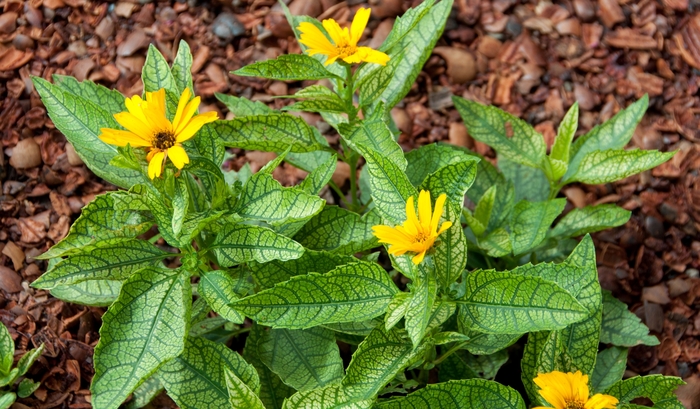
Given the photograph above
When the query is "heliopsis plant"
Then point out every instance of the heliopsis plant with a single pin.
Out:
(189, 259)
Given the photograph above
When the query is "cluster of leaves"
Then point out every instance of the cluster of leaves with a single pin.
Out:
(304, 272)
(9, 375)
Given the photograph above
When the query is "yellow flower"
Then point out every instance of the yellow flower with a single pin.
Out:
(147, 126)
(344, 45)
(570, 391)
(418, 233)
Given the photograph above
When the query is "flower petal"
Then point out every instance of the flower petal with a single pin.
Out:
(178, 156)
(411, 224)
(156, 102)
(337, 34)
(184, 99)
(391, 235)
(117, 137)
(187, 113)
(359, 22)
(439, 206)
(418, 258)
(424, 210)
(600, 401)
(444, 227)
(195, 124)
(135, 125)
(155, 166)
(313, 37)
(366, 54)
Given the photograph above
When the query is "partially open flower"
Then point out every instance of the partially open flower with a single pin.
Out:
(147, 126)
(570, 391)
(418, 232)
(344, 45)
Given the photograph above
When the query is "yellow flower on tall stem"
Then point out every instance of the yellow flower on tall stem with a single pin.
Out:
(344, 45)
(418, 232)
(147, 126)
(570, 391)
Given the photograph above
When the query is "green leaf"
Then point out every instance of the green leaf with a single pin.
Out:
(497, 243)
(338, 230)
(7, 399)
(9, 378)
(608, 166)
(288, 67)
(462, 394)
(353, 292)
(110, 100)
(80, 120)
(448, 337)
(485, 344)
(240, 395)
(7, 350)
(330, 397)
(487, 176)
(27, 387)
(180, 202)
(484, 207)
(149, 319)
(145, 393)
(397, 309)
(196, 378)
(218, 289)
(28, 360)
(590, 219)
(419, 306)
(450, 256)
(429, 158)
(268, 274)
(304, 359)
(111, 215)
(578, 343)
(543, 353)
(404, 24)
(508, 303)
(609, 368)
(239, 106)
(654, 387)
(240, 243)
(529, 183)
(621, 327)
(182, 67)
(264, 199)
(320, 176)
(96, 293)
(273, 391)
(612, 134)
(389, 185)
(565, 134)
(375, 79)
(415, 46)
(317, 98)
(531, 221)
(156, 75)
(453, 179)
(510, 136)
(270, 133)
(378, 359)
(115, 259)
(373, 134)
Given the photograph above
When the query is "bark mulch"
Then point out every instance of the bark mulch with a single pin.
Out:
(531, 58)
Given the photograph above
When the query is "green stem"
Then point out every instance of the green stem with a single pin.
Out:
(449, 352)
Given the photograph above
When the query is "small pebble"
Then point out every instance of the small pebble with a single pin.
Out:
(22, 42)
(26, 154)
(73, 157)
(226, 26)
(692, 273)
(8, 22)
(654, 226)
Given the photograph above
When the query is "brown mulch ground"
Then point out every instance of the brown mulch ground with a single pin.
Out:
(533, 59)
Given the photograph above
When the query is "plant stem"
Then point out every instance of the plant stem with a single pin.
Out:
(449, 352)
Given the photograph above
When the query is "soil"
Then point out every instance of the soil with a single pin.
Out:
(533, 59)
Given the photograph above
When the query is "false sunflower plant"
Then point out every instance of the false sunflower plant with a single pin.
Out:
(191, 259)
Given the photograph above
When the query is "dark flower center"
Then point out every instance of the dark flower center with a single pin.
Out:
(574, 405)
(163, 140)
